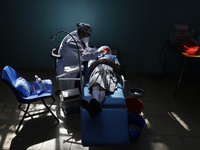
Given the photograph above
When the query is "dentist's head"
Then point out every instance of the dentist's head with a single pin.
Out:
(84, 32)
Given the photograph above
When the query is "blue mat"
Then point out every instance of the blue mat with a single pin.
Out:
(109, 128)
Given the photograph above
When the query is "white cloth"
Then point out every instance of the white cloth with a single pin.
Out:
(104, 75)
(69, 53)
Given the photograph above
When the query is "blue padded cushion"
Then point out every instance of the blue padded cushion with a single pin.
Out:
(110, 57)
(112, 100)
(23, 86)
(109, 128)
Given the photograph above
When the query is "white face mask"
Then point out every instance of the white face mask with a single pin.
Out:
(85, 39)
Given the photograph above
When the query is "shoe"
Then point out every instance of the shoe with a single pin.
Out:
(95, 105)
(87, 107)
(57, 92)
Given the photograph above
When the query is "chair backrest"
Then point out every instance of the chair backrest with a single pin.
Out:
(116, 52)
(9, 76)
(54, 54)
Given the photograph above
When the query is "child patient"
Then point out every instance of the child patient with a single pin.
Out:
(103, 79)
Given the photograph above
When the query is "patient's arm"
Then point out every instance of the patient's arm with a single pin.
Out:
(115, 66)
(105, 61)
(93, 65)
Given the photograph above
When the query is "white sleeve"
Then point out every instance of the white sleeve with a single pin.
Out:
(117, 62)
(84, 54)
(91, 62)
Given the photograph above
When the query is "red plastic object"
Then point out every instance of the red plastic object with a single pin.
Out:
(134, 105)
(189, 48)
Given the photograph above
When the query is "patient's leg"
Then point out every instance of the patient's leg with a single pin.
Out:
(96, 92)
(102, 95)
(95, 101)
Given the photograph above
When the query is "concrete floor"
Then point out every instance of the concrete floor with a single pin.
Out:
(171, 123)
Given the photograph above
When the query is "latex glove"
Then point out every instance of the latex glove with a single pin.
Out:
(92, 49)
(101, 49)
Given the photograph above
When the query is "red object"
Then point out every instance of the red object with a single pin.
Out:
(189, 48)
(106, 49)
(33, 88)
(134, 105)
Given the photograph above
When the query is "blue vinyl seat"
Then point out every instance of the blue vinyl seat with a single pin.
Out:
(10, 77)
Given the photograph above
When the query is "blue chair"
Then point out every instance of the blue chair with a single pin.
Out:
(10, 77)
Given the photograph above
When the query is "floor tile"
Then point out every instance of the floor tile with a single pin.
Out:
(58, 138)
(180, 109)
(162, 125)
(166, 142)
(29, 137)
(194, 109)
(148, 83)
(187, 127)
(145, 142)
(168, 96)
(191, 143)
(156, 108)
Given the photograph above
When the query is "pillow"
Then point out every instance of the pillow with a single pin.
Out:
(110, 57)
(23, 86)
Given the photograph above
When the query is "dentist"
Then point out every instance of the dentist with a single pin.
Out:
(69, 53)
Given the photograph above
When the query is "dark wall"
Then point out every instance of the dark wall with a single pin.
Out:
(137, 28)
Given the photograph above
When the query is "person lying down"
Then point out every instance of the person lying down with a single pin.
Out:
(103, 79)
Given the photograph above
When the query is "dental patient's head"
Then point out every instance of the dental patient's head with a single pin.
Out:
(107, 50)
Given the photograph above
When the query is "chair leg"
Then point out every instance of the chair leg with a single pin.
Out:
(19, 107)
(52, 102)
(50, 111)
(16, 132)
